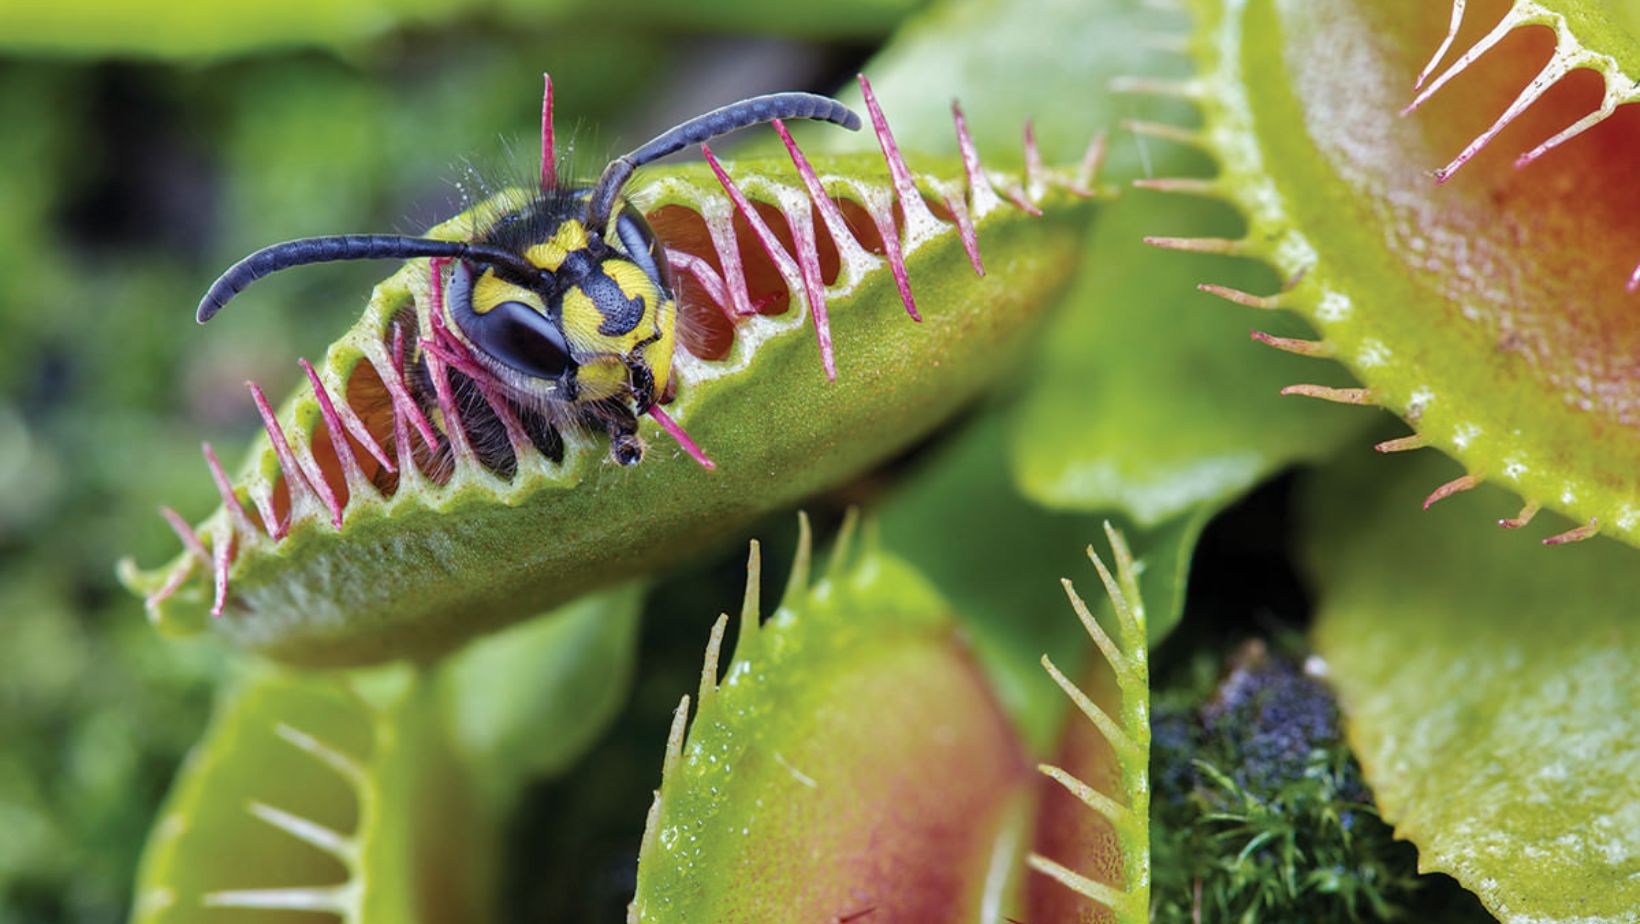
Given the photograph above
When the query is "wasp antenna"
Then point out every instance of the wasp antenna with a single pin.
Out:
(703, 128)
(338, 247)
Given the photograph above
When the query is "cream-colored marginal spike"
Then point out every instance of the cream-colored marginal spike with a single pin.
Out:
(1164, 131)
(1181, 185)
(345, 766)
(1359, 396)
(316, 835)
(1087, 172)
(1504, 27)
(1118, 814)
(1152, 86)
(674, 740)
(1525, 516)
(1317, 348)
(1107, 647)
(1455, 486)
(1114, 899)
(1262, 302)
(1220, 245)
(797, 584)
(1101, 719)
(751, 606)
(1127, 571)
(1402, 443)
(1575, 534)
(336, 900)
(842, 547)
(1446, 45)
(709, 666)
(1130, 605)
(1617, 93)
(1552, 72)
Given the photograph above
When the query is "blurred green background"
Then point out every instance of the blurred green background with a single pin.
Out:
(144, 146)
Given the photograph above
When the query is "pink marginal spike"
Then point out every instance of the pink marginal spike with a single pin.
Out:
(333, 423)
(980, 191)
(354, 425)
(264, 507)
(224, 488)
(1088, 172)
(760, 228)
(222, 558)
(190, 539)
(1034, 171)
(801, 223)
(435, 299)
(509, 418)
(734, 275)
(172, 584)
(677, 433)
(454, 430)
(813, 290)
(965, 231)
(884, 220)
(703, 273)
(830, 213)
(403, 404)
(1634, 280)
(1018, 197)
(549, 163)
(296, 478)
(918, 218)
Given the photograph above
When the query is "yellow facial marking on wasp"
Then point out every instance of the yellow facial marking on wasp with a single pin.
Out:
(604, 377)
(489, 290)
(581, 319)
(634, 282)
(549, 254)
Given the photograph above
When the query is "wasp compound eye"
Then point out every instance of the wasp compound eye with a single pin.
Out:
(524, 339)
(517, 335)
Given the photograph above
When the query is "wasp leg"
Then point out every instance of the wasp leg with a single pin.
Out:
(643, 385)
(624, 445)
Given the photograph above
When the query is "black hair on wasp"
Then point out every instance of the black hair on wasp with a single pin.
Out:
(564, 305)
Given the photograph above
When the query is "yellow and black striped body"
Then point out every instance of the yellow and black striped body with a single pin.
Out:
(589, 338)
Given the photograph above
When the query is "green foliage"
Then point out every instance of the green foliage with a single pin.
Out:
(1260, 812)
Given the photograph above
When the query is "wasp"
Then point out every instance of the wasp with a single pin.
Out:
(566, 303)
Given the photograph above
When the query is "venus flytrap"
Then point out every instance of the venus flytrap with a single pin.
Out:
(817, 779)
(1490, 313)
(1105, 858)
(370, 523)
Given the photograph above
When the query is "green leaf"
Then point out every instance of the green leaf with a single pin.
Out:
(851, 762)
(526, 702)
(307, 794)
(1491, 692)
